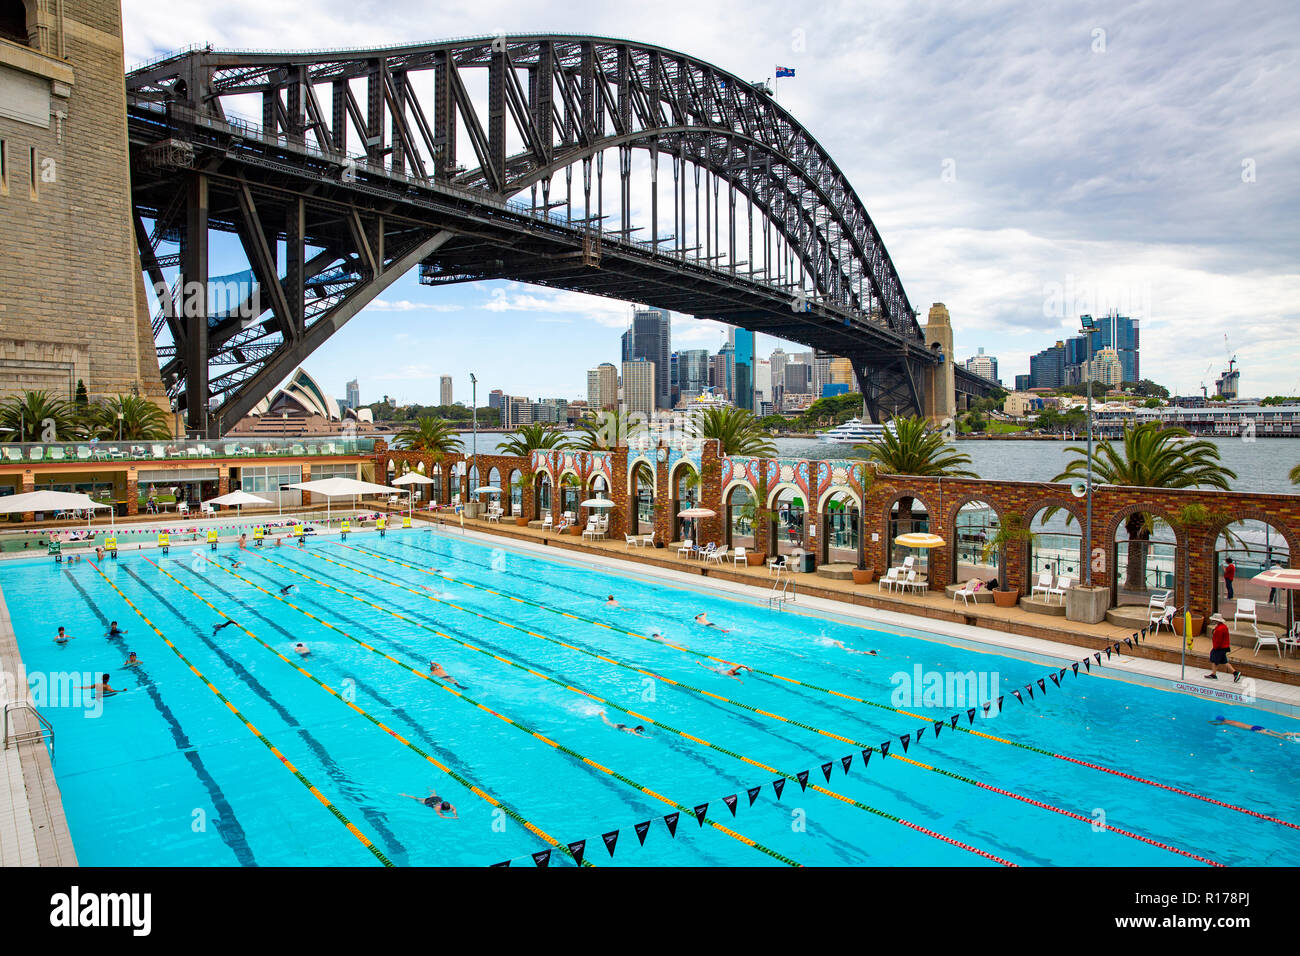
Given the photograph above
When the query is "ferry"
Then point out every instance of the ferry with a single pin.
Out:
(852, 432)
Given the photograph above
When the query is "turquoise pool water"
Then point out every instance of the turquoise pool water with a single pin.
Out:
(166, 773)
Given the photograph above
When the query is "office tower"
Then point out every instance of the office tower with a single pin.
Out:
(495, 398)
(674, 382)
(639, 381)
(742, 358)
(1107, 368)
(798, 378)
(1024, 383)
(650, 340)
(692, 372)
(726, 380)
(353, 394)
(1047, 368)
(778, 360)
(1114, 331)
(985, 365)
(821, 373)
(444, 390)
(762, 383)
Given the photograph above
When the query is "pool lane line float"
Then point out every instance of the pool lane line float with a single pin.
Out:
(477, 791)
(870, 703)
(288, 765)
(856, 743)
(587, 761)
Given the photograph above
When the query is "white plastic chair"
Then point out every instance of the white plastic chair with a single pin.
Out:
(183, 508)
(1266, 639)
(632, 540)
(908, 583)
(1164, 617)
(718, 555)
(1044, 584)
(776, 565)
(889, 580)
(546, 521)
(1062, 585)
(1245, 611)
(686, 547)
(964, 593)
(1292, 640)
(738, 556)
(648, 539)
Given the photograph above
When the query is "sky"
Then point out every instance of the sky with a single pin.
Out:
(1024, 163)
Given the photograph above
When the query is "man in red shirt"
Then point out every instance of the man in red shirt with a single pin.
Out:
(1229, 574)
(1219, 647)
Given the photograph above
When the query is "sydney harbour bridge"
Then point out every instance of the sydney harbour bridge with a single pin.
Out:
(590, 164)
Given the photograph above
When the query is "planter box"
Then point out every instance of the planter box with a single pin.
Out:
(1087, 605)
(574, 530)
(472, 509)
(864, 576)
(1198, 622)
(521, 521)
(755, 559)
(1005, 598)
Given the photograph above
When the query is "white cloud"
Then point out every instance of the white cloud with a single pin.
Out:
(405, 305)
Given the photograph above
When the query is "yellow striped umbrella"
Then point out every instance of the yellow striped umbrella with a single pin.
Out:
(918, 539)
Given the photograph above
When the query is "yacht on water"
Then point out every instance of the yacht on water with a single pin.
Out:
(852, 432)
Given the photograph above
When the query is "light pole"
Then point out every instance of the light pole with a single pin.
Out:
(119, 426)
(473, 401)
(1088, 327)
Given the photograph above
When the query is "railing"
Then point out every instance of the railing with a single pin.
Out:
(783, 590)
(173, 450)
(43, 733)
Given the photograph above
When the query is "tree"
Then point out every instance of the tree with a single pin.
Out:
(1295, 475)
(431, 436)
(142, 420)
(736, 429)
(1149, 456)
(528, 438)
(82, 400)
(909, 446)
(1011, 531)
(38, 417)
(608, 430)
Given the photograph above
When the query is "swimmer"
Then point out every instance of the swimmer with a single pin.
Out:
(217, 627)
(638, 730)
(436, 804)
(302, 650)
(732, 671)
(243, 542)
(62, 637)
(611, 601)
(841, 646)
(132, 661)
(1293, 736)
(114, 630)
(234, 562)
(287, 588)
(277, 542)
(437, 670)
(703, 619)
(102, 687)
(99, 553)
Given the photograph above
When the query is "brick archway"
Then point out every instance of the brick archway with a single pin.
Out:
(1111, 529)
(950, 529)
(1030, 512)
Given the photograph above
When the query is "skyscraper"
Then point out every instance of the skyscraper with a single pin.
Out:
(602, 388)
(649, 339)
(639, 387)
(353, 394)
(1047, 368)
(821, 373)
(444, 390)
(981, 364)
(692, 372)
(778, 360)
(742, 359)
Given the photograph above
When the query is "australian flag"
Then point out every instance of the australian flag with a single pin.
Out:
(784, 71)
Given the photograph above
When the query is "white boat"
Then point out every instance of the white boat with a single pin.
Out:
(852, 432)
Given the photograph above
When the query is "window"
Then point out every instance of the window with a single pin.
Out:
(4, 168)
(319, 472)
(33, 177)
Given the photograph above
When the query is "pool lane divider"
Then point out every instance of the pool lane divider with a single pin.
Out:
(906, 740)
(797, 778)
(587, 761)
(288, 765)
(473, 788)
(1055, 675)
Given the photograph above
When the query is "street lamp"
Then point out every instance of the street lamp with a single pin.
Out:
(119, 426)
(1089, 326)
(473, 401)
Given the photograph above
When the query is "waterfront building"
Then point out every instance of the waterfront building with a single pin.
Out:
(1047, 368)
(742, 376)
(649, 339)
(444, 390)
(985, 365)
(639, 388)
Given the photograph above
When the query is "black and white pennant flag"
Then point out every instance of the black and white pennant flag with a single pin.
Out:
(611, 840)
(866, 758)
(700, 811)
(802, 777)
(846, 762)
(542, 858)
(642, 829)
(753, 794)
(953, 721)
(970, 716)
(671, 820)
(578, 848)
(731, 803)
(884, 748)
(827, 768)
(905, 740)
(1055, 680)
(778, 785)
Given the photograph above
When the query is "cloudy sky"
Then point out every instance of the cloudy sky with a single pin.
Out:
(1024, 162)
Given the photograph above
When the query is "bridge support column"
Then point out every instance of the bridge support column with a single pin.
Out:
(194, 296)
(941, 383)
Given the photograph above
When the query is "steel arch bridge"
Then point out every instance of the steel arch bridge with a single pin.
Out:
(487, 158)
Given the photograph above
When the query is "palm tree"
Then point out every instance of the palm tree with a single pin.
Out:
(608, 430)
(1149, 456)
(909, 446)
(736, 429)
(38, 417)
(527, 438)
(1295, 475)
(430, 435)
(142, 420)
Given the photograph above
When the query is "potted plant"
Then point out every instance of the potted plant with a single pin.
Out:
(571, 481)
(1011, 531)
(753, 513)
(524, 483)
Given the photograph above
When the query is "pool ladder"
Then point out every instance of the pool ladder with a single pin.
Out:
(783, 590)
(44, 731)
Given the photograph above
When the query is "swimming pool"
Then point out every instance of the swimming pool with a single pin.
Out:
(228, 748)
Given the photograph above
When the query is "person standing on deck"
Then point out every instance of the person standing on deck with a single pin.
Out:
(1229, 573)
(1220, 645)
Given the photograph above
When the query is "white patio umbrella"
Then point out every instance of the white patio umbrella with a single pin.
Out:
(487, 490)
(694, 513)
(53, 501)
(411, 478)
(238, 499)
(1284, 579)
(596, 503)
(333, 488)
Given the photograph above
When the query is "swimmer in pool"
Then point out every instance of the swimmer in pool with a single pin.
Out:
(287, 588)
(114, 630)
(234, 563)
(62, 637)
(437, 670)
(437, 805)
(102, 687)
(703, 619)
(132, 661)
(302, 650)
(1221, 721)
(217, 627)
(841, 646)
(732, 671)
(243, 542)
(611, 601)
(638, 730)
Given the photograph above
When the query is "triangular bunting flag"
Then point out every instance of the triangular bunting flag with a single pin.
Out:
(866, 758)
(1042, 685)
(1030, 688)
(846, 762)
(1075, 667)
(1061, 672)
(1107, 655)
(778, 785)
(970, 716)
(1097, 657)
(506, 863)
(578, 848)
(938, 726)
(802, 776)
(1000, 700)
(826, 770)
(1135, 638)
(731, 803)
(987, 706)
(611, 839)
(884, 748)
(671, 820)
(905, 739)
(1087, 665)
(700, 811)
(753, 794)
(542, 858)
(1144, 633)
(955, 718)
(1055, 680)
(1129, 642)
(642, 829)
(1018, 696)
(919, 731)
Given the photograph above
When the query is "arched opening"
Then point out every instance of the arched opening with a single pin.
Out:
(543, 494)
(787, 521)
(472, 487)
(841, 528)
(13, 21)
(1254, 546)
(908, 515)
(435, 489)
(1057, 546)
(494, 481)
(643, 495)
(570, 495)
(599, 487)
(975, 525)
(741, 516)
(514, 497)
(1145, 556)
(685, 490)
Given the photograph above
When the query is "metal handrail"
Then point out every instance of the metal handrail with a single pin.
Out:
(45, 733)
